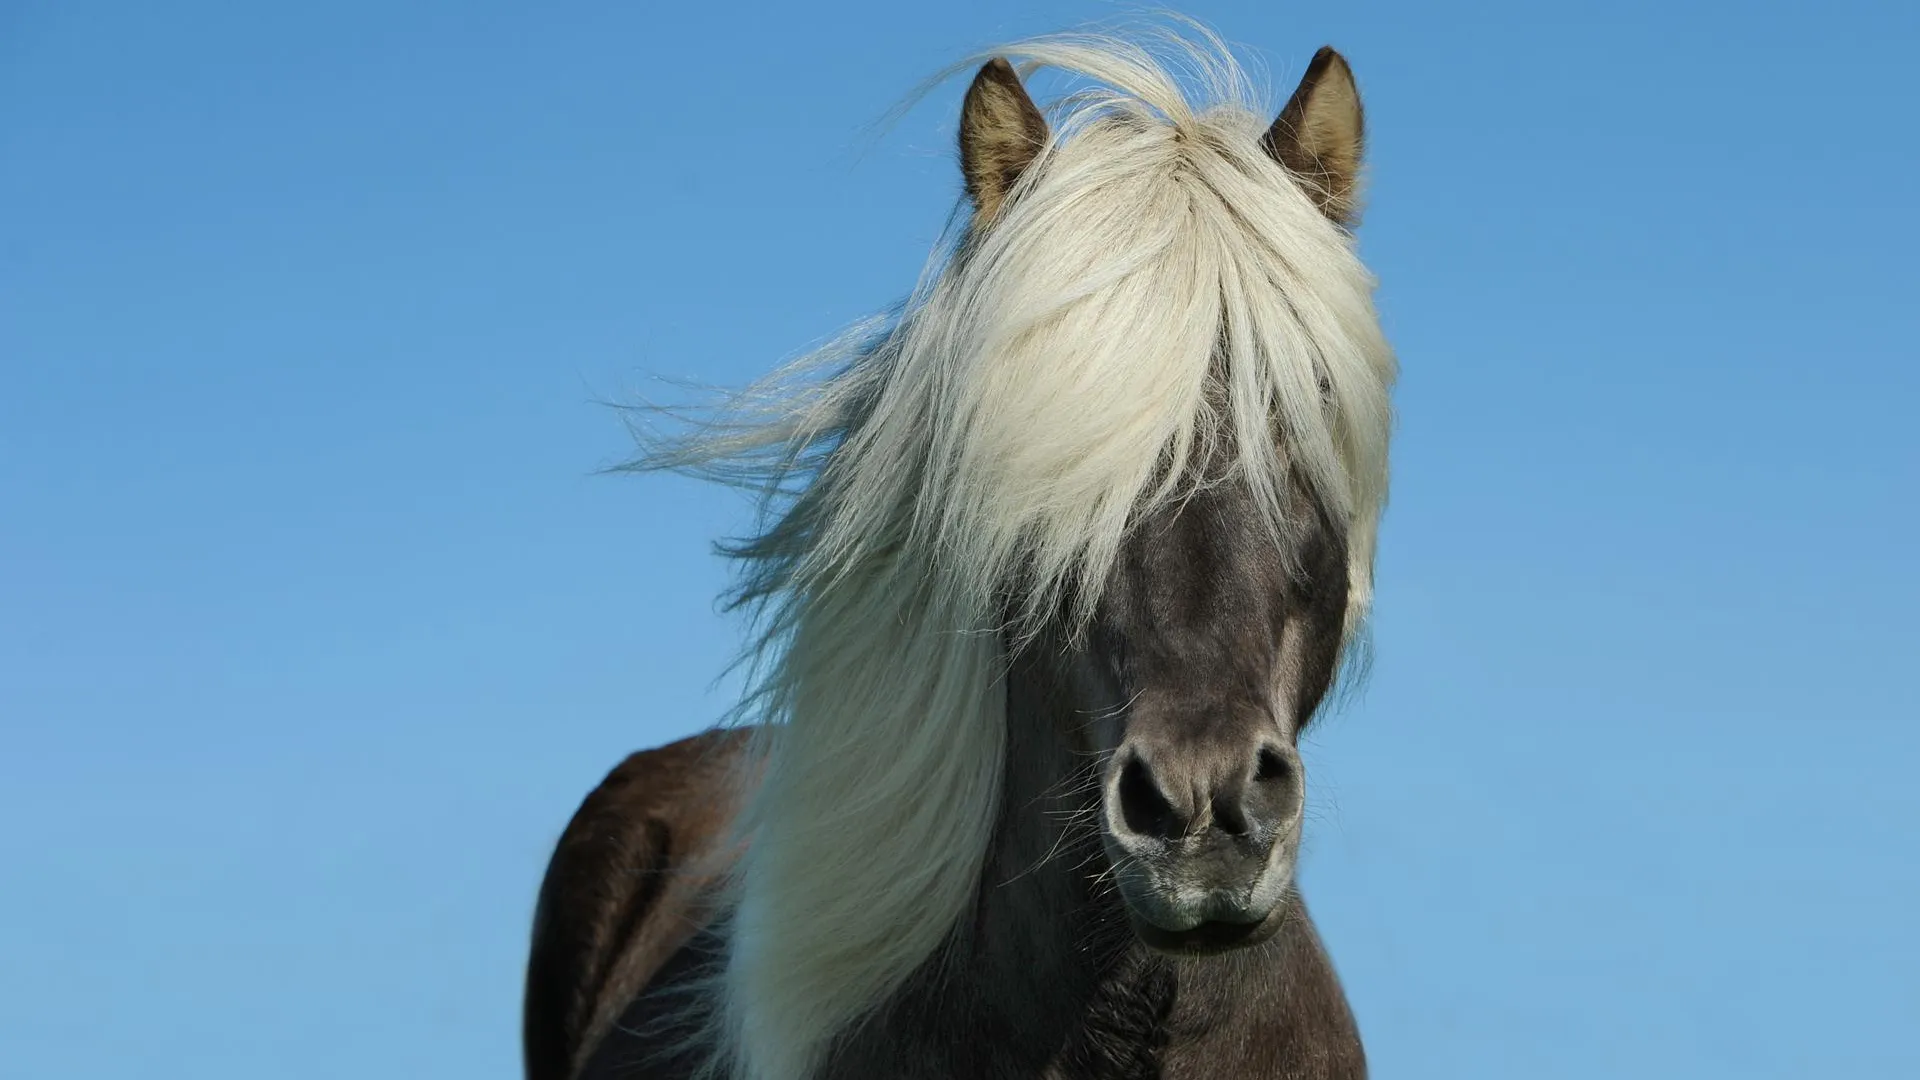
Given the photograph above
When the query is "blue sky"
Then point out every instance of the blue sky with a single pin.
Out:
(316, 622)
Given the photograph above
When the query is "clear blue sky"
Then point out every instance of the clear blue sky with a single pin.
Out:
(315, 623)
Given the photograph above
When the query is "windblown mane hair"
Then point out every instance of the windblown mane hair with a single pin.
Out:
(1157, 292)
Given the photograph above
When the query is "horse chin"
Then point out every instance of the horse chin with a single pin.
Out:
(1204, 926)
(1207, 938)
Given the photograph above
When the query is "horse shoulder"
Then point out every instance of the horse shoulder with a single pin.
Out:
(624, 891)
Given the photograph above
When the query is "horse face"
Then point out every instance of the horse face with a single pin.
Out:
(1213, 642)
(1212, 647)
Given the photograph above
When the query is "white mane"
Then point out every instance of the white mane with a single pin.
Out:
(1048, 381)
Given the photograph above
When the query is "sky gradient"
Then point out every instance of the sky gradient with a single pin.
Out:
(317, 618)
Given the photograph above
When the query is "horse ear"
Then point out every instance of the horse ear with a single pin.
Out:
(1001, 132)
(1320, 134)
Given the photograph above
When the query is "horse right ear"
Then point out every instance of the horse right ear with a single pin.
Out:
(1001, 132)
(1321, 135)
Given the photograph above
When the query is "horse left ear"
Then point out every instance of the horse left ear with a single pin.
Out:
(1001, 132)
(1320, 135)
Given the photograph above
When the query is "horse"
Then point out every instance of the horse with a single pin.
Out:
(1056, 563)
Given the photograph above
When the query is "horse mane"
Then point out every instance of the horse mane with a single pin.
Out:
(1158, 292)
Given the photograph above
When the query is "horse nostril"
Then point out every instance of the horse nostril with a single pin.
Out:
(1271, 766)
(1143, 808)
